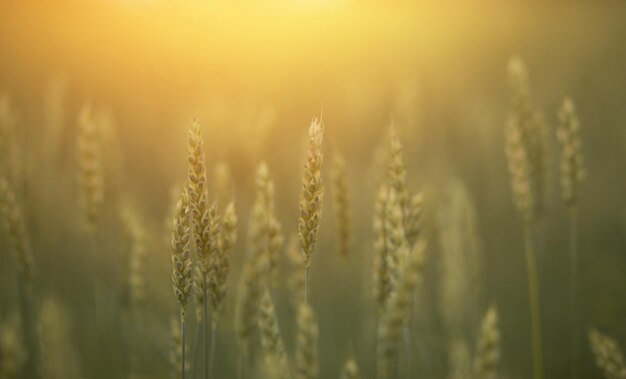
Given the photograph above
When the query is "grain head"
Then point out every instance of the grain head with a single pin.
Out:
(90, 168)
(312, 192)
(181, 255)
(572, 164)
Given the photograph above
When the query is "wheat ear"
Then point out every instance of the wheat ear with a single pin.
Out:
(16, 231)
(350, 370)
(220, 267)
(311, 197)
(488, 347)
(382, 274)
(202, 218)
(271, 338)
(608, 355)
(182, 266)
(533, 133)
(15, 228)
(413, 221)
(396, 172)
(228, 236)
(90, 168)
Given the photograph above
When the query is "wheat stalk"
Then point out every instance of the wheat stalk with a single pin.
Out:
(176, 354)
(295, 280)
(199, 293)
(341, 203)
(526, 153)
(205, 225)
(311, 197)
(307, 364)
(487, 349)
(572, 176)
(608, 355)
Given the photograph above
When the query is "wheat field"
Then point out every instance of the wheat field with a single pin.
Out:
(312, 189)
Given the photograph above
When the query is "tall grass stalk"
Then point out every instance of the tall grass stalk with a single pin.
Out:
(572, 175)
(533, 299)
(212, 348)
(205, 334)
(182, 347)
(32, 367)
(573, 251)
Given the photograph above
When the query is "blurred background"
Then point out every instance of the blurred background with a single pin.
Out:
(254, 74)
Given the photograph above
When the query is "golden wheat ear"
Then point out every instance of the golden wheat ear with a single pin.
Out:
(311, 196)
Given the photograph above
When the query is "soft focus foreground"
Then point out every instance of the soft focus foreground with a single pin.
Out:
(436, 219)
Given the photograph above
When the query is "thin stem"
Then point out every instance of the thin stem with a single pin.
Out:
(212, 353)
(93, 241)
(205, 318)
(306, 285)
(242, 362)
(33, 363)
(407, 348)
(573, 250)
(182, 337)
(195, 348)
(533, 297)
